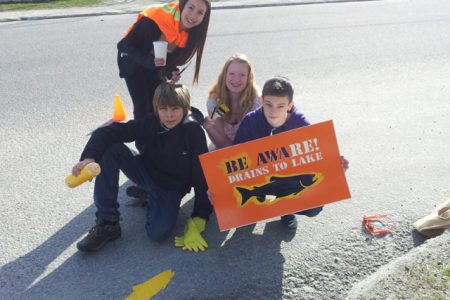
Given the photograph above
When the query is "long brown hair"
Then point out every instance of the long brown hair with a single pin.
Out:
(195, 43)
(219, 89)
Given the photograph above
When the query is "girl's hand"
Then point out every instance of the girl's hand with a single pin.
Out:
(217, 122)
(160, 62)
(80, 165)
(208, 123)
(175, 77)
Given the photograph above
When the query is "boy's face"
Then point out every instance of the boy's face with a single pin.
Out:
(170, 116)
(276, 109)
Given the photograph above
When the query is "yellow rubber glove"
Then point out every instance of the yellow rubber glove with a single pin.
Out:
(200, 224)
(192, 240)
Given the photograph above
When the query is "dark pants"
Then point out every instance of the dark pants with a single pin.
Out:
(310, 212)
(141, 86)
(163, 204)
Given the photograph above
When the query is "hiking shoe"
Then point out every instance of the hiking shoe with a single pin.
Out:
(139, 193)
(289, 222)
(99, 235)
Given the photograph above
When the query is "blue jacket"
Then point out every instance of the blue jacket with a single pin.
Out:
(255, 126)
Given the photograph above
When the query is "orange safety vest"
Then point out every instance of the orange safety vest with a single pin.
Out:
(167, 17)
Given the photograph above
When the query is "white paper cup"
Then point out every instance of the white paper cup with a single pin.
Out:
(160, 48)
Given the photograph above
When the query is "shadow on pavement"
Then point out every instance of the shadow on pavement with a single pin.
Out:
(418, 239)
(241, 265)
(254, 263)
(18, 275)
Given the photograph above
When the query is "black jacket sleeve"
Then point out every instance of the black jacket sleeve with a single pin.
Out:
(116, 133)
(136, 49)
(139, 42)
(202, 206)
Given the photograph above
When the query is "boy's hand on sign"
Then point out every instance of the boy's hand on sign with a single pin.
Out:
(344, 163)
(80, 165)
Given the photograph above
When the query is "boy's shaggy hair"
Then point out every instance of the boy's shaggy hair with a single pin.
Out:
(172, 95)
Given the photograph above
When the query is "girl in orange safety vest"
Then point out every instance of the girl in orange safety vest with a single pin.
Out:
(184, 25)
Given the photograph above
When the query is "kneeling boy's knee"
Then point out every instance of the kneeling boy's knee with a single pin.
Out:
(156, 233)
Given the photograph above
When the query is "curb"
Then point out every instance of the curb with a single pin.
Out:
(400, 275)
(134, 8)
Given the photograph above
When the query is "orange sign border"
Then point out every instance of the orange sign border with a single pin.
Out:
(311, 149)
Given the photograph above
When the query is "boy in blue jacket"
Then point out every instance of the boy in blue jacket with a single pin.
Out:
(167, 168)
(277, 114)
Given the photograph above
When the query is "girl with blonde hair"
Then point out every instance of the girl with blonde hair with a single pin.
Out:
(231, 97)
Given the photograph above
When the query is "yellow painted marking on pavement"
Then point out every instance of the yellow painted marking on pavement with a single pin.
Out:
(151, 287)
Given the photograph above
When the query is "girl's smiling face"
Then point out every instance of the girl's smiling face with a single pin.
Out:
(236, 77)
(193, 13)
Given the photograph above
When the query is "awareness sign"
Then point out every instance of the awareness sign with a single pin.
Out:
(276, 175)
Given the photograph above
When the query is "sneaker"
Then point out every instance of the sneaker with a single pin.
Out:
(139, 193)
(99, 235)
(290, 222)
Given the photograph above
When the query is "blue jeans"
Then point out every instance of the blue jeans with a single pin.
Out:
(163, 204)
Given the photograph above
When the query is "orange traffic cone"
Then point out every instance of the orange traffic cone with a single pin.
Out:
(119, 113)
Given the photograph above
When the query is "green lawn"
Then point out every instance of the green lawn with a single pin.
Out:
(47, 4)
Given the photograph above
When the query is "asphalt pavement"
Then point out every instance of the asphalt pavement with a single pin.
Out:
(404, 273)
(118, 7)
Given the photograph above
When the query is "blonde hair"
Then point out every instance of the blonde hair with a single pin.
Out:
(172, 95)
(219, 89)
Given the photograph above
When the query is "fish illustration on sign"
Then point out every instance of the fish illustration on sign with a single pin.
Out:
(278, 187)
